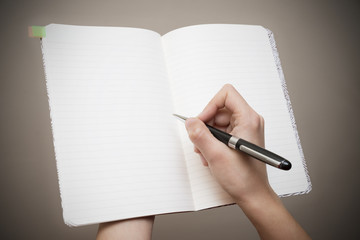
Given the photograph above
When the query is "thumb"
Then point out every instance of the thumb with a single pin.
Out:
(201, 137)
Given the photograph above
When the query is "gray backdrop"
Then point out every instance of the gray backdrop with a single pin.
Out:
(318, 46)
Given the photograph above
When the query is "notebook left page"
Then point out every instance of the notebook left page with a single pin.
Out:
(116, 146)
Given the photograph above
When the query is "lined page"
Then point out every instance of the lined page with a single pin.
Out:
(116, 146)
(200, 60)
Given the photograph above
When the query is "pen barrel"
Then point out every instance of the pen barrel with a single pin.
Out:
(219, 135)
(262, 154)
(251, 149)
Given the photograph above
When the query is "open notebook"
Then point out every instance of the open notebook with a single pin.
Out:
(112, 91)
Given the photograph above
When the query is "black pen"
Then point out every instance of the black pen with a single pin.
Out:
(247, 147)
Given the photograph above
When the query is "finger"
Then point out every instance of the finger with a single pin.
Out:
(196, 150)
(211, 122)
(222, 118)
(227, 97)
(203, 160)
(204, 141)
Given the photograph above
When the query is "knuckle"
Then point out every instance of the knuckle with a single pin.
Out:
(261, 121)
(228, 86)
(255, 121)
(251, 121)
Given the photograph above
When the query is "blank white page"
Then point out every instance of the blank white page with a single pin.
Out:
(116, 145)
(200, 60)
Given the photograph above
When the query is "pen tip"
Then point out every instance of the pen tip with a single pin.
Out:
(180, 117)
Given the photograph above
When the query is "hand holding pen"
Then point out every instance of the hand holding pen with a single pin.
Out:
(244, 178)
(247, 147)
(238, 173)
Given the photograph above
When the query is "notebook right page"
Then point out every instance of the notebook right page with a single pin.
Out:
(200, 60)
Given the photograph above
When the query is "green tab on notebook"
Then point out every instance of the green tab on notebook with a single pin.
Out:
(37, 31)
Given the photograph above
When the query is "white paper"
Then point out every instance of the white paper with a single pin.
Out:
(115, 141)
(112, 91)
(200, 60)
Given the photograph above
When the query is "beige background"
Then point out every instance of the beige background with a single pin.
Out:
(318, 45)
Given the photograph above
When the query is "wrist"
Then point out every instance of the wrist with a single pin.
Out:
(136, 228)
(257, 203)
(271, 219)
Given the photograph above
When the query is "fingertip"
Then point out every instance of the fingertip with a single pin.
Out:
(190, 122)
(191, 125)
(203, 160)
(196, 150)
(208, 113)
